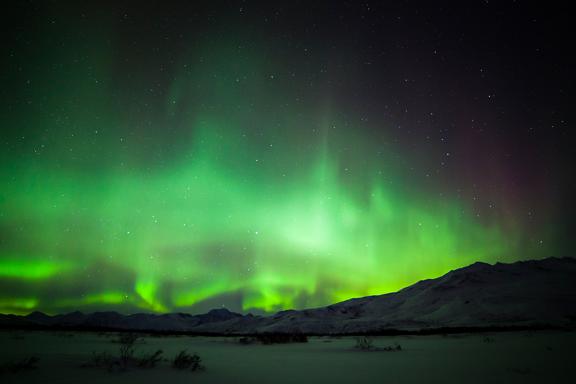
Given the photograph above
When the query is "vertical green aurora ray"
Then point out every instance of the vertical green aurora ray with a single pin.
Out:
(278, 206)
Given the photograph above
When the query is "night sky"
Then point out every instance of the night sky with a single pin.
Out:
(162, 156)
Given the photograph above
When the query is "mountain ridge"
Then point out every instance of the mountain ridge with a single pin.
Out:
(527, 293)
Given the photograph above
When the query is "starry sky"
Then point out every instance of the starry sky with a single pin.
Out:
(160, 156)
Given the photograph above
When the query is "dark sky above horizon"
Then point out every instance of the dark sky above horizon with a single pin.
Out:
(261, 155)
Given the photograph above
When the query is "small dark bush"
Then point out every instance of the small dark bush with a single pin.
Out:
(488, 340)
(102, 360)
(126, 356)
(150, 361)
(275, 338)
(393, 348)
(26, 364)
(184, 360)
(158, 335)
(63, 335)
(246, 340)
(127, 341)
(112, 364)
(127, 338)
(364, 343)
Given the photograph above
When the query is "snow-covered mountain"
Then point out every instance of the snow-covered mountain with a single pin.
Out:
(526, 293)
(481, 295)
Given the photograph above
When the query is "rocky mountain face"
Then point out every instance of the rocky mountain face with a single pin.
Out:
(521, 294)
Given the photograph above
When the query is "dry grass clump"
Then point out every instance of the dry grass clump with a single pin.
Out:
(127, 358)
(184, 360)
(366, 343)
(274, 338)
(26, 364)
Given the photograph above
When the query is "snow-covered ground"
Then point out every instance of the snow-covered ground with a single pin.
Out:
(526, 357)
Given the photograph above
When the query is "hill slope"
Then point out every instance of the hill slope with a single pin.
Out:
(527, 293)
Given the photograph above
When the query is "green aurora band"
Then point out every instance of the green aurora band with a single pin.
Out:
(257, 205)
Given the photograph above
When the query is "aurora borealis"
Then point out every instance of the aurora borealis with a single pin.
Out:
(185, 156)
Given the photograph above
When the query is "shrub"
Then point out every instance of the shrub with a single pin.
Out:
(26, 364)
(111, 363)
(364, 343)
(275, 338)
(150, 361)
(393, 348)
(63, 334)
(102, 360)
(127, 341)
(246, 340)
(184, 360)
(127, 338)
